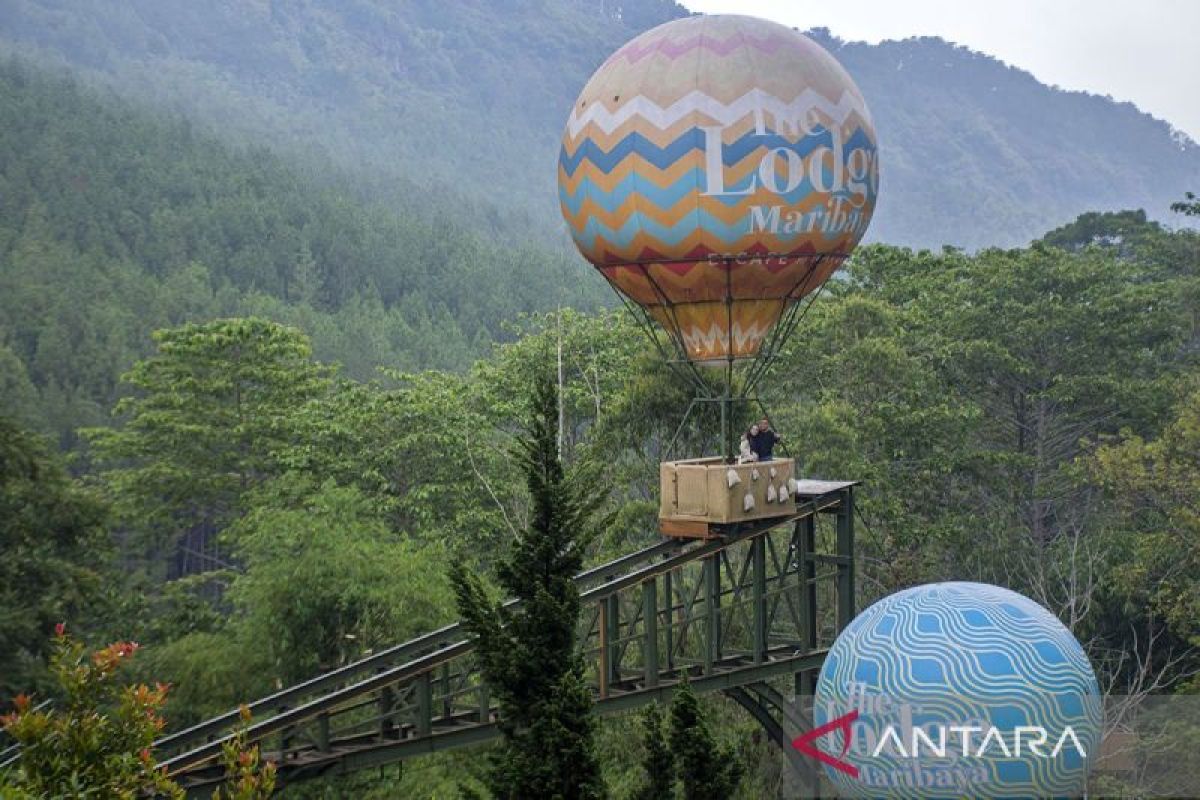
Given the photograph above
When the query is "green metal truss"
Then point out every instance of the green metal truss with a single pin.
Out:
(762, 602)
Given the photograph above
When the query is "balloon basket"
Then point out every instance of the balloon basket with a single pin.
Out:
(701, 496)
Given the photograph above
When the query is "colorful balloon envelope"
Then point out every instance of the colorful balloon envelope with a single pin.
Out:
(717, 169)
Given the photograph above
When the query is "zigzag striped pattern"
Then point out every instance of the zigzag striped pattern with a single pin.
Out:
(959, 654)
(710, 332)
(799, 113)
(789, 132)
(636, 50)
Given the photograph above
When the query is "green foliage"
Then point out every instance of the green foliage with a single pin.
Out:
(598, 353)
(617, 394)
(706, 771)
(246, 776)
(325, 82)
(1156, 489)
(18, 396)
(657, 759)
(115, 223)
(961, 389)
(425, 451)
(1107, 229)
(211, 407)
(473, 95)
(55, 546)
(527, 653)
(97, 743)
(324, 578)
(210, 672)
(1189, 206)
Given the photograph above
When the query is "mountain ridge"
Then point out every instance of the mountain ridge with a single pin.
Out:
(1065, 113)
(468, 100)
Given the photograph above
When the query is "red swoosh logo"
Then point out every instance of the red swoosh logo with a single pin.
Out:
(805, 743)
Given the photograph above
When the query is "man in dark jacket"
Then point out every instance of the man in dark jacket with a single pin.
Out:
(763, 443)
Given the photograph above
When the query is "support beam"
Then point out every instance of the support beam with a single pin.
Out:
(758, 550)
(669, 637)
(285, 734)
(323, 733)
(424, 689)
(485, 702)
(387, 702)
(806, 543)
(650, 628)
(712, 611)
(602, 667)
(447, 692)
(845, 551)
(613, 618)
(761, 714)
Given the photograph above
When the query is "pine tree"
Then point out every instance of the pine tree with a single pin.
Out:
(55, 541)
(203, 428)
(708, 772)
(527, 653)
(657, 759)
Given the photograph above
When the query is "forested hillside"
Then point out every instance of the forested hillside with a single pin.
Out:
(1024, 417)
(115, 222)
(458, 96)
(469, 98)
(978, 153)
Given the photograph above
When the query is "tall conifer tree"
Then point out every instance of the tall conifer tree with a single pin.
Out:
(527, 652)
(209, 413)
(707, 771)
(657, 759)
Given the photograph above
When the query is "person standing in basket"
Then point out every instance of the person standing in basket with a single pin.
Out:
(745, 453)
(762, 443)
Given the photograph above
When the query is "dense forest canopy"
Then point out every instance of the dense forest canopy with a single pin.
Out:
(470, 98)
(115, 222)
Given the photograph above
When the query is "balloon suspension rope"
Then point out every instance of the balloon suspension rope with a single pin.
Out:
(794, 313)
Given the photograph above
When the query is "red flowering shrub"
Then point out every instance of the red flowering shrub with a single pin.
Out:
(96, 742)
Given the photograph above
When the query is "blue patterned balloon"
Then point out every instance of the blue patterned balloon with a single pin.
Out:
(957, 690)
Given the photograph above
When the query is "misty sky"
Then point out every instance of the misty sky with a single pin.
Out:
(1145, 51)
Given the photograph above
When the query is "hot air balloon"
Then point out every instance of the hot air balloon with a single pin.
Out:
(717, 170)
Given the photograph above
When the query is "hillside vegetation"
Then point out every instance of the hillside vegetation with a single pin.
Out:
(115, 222)
(1023, 417)
(419, 98)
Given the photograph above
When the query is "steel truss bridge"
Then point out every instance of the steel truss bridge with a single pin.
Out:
(736, 614)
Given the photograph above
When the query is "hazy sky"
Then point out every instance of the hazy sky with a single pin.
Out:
(1145, 51)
